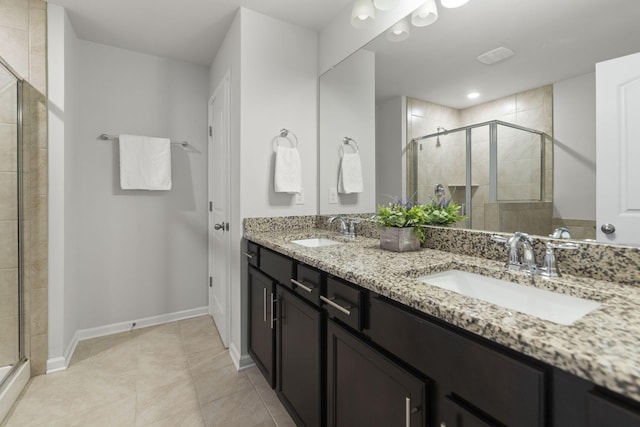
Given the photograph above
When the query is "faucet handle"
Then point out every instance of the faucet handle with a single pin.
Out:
(499, 239)
(570, 246)
(549, 267)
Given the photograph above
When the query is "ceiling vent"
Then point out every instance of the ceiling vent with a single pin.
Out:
(495, 55)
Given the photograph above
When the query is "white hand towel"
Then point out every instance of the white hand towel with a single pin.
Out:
(145, 163)
(350, 176)
(288, 171)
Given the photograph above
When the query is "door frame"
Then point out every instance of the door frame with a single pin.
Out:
(222, 90)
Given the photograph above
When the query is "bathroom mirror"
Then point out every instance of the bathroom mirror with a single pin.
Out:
(555, 45)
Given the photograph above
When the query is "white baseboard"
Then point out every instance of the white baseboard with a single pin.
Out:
(61, 363)
(241, 362)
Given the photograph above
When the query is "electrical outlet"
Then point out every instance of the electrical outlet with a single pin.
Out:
(333, 196)
(300, 198)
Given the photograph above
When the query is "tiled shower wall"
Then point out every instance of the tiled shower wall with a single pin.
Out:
(445, 159)
(23, 46)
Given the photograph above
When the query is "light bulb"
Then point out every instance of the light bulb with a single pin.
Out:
(425, 15)
(363, 13)
(399, 32)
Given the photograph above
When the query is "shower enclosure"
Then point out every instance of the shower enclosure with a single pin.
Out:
(500, 173)
(14, 124)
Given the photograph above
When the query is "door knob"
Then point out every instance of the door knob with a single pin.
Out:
(608, 228)
(220, 226)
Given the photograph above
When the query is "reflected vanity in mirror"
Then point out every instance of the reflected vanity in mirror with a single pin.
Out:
(534, 177)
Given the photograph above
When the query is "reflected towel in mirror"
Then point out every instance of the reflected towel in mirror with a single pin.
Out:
(350, 176)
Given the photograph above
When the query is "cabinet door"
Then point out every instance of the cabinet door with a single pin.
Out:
(364, 388)
(604, 412)
(261, 323)
(299, 349)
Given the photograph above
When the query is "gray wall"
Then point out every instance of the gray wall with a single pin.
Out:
(136, 254)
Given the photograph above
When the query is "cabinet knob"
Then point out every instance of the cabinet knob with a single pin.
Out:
(443, 424)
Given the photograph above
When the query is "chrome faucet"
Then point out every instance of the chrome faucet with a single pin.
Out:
(347, 225)
(549, 267)
(513, 243)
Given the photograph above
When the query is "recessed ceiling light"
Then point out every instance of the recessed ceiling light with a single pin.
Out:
(495, 55)
(473, 95)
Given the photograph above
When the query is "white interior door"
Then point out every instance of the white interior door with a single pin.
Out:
(219, 237)
(618, 150)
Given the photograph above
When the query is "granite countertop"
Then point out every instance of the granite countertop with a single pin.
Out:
(602, 347)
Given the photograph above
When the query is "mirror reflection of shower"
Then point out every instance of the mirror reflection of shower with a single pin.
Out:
(499, 172)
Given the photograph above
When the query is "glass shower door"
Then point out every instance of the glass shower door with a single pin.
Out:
(10, 211)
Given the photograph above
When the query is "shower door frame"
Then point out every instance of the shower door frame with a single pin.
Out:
(493, 159)
(20, 219)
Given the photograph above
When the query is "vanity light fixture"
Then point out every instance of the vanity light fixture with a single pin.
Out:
(450, 4)
(399, 32)
(473, 95)
(363, 13)
(425, 15)
(385, 4)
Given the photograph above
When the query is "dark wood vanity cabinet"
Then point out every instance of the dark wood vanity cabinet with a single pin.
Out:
(342, 356)
(475, 383)
(365, 388)
(299, 358)
(286, 336)
(261, 323)
(603, 411)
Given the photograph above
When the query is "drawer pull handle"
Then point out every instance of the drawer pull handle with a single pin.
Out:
(407, 411)
(248, 255)
(302, 285)
(336, 306)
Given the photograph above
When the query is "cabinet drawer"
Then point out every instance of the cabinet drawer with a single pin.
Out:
(253, 254)
(307, 284)
(505, 388)
(277, 266)
(343, 302)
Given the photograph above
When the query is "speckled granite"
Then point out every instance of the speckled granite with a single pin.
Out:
(619, 264)
(601, 347)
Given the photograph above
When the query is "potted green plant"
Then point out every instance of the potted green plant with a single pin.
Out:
(402, 223)
(442, 212)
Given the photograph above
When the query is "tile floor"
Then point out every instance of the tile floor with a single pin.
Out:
(177, 374)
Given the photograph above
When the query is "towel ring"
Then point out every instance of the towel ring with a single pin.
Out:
(347, 141)
(284, 133)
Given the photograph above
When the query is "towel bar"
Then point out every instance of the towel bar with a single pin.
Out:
(284, 133)
(184, 144)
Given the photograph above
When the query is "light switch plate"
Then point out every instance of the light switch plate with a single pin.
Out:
(333, 196)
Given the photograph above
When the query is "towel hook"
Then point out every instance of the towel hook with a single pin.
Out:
(346, 141)
(284, 133)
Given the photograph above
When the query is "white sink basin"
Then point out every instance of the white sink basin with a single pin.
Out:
(316, 242)
(547, 305)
